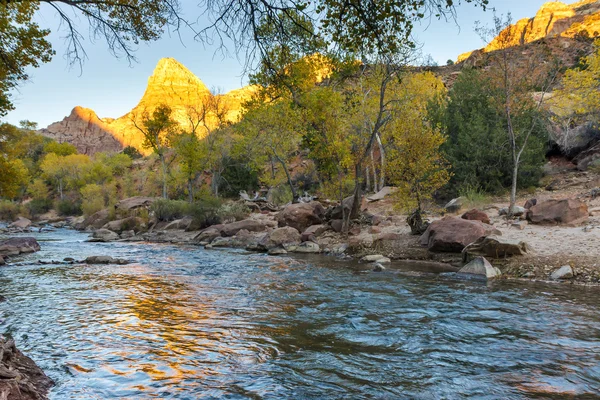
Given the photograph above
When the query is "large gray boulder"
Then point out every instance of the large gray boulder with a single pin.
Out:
(125, 224)
(18, 245)
(133, 203)
(103, 235)
(314, 231)
(301, 215)
(452, 234)
(95, 221)
(480, 267)
(105, 260)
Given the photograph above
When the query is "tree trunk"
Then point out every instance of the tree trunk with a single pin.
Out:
(164, 176)
(375, 183)
(289, 178)
(368, 177)
(382, 157)
(60, 189)
(513, 189)
(355, 210)
(191, 190)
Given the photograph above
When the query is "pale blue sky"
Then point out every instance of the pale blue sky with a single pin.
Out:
(111, 87)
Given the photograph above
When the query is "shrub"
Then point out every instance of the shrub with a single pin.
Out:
(69, 207)
(9, 211)
(92, 199)
(233, 211)
(474, 195)
(280, 195)
(205, 212)
(170, 210)
(39, 206)
(132, 152)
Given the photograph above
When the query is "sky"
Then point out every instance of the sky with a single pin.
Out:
(112, 87)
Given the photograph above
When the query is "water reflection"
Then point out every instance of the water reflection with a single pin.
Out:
(184, 323)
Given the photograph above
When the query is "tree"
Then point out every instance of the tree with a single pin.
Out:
(416, 165)
(65, 171)
(513, 82)
(14, 176)
(271, 134)
(190, 152)
(157, 130)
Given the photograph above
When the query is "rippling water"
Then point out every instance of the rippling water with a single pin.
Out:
(187, 323)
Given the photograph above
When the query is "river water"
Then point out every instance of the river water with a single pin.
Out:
(182, 322)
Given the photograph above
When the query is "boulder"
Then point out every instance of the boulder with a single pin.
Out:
(2, 262)
(280, 236)
(105, 260)
(372, 258)
(454, 205)
(337, 225)
(564, 272)
(306, 247)
(480, 267)
(452, 234)
(20, 377)
(382, 194)
(520, 225)
(103, 235)
(516, 211)
(476, 215)
(20, 223)
(277, 251)
(301, 215)
(209, 234)
(18, 245)
(555, 212)
(378, 267)
(313, 232)
(248, 224)
(95, 221)
(125, 224)
(182, 224)
(337, 212)
(136, 202)
(530, 203)
(495, 247)
(127, 234)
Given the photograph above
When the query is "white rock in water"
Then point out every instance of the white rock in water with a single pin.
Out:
(378, 268)
(482, 267)
(372, 258)
(564, 272)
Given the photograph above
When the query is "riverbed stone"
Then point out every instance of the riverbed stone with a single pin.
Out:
(209, 234)
(377, 267)
(372, 258)
(277, 251)
(182, 223)
(454, 205)
(248, 224)
(480, 267)
(105, 260)
(95, 221)
(564, 272)
(20, 223)
(516, 211)
(495, 247)
(125, 224)
(133, 203)
(313, 232)
(558, 212)
(306, 248)
(20, 377)
(301, 215)
(18, 245)
(103, 235)
(280, 236)
(452, 234)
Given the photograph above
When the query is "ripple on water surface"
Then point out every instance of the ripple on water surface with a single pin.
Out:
(185, 323)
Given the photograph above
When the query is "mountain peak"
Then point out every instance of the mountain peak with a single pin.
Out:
(169, 72)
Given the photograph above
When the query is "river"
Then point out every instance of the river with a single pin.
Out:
(181, 322)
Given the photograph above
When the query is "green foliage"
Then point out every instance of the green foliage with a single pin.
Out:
(39, 206)
(237, 175)
(233, 211)
(9, 211)
(132, 152)
(280, 195)
(475, 196)
(60, 149)
(169, 210)
(477, 139)
(205, 212)
(92, 199)
(68, 207)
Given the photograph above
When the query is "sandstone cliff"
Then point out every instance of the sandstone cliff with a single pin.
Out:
(554, 19)
(171, 83)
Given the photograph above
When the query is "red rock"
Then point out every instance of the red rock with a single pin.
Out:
(248, 224)
(279, 237)
(452, 234)
(18, 245)
(375, 230)
(313, 232)
(558, 212)
(301, 215)
(476, 215)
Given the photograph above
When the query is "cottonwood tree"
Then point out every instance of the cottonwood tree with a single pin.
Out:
(519, 85)
(157, 129)
(64, 171)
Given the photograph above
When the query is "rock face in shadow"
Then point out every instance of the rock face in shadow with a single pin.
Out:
(20, 377)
